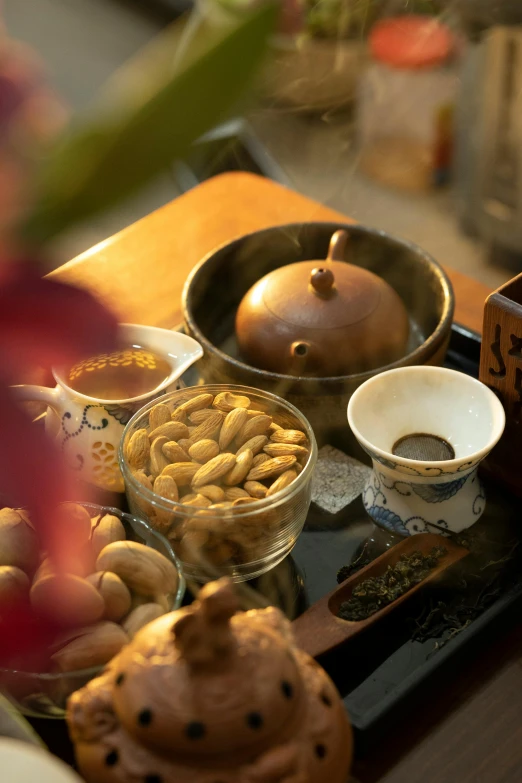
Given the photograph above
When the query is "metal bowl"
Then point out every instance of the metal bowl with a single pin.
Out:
(217, 285)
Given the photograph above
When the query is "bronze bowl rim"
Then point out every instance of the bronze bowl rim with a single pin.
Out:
(428, 347)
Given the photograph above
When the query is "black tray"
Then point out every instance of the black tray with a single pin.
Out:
(384, 673)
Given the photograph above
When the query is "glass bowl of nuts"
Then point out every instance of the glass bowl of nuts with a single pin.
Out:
(120, 575)
(224, 473)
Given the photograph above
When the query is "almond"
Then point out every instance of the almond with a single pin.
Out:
(254, 444)
(221, 553)
(174, 452)
(178, 416)
(166, 487)
(158, 415)
(233, 493)
(208, 428)
(255, 489)
(115, 593)
(251, 413)
(240, 469)
(142, 568)
(159, 598)
(195, 404)
(204, 450)
(201, 521)
(93, 646)
(79, 563)
(158, 460)
(260, 458)
(211, 491)
(14, 585)
(47, 567)
(141, 616)
(214, 470)
(172, 430)
(288, 436)
(191, 545)
(234, 422)
(275, 427)
(138, 449)
(272, 467)
(198, 417)
(227, 401)
(75, 522)
(185, 444)
(282, 449)
(258, 425)
(199, 501)
(182, 472)
(162, 518)
(66, 599)
(146, 482)
(164, 601)
(106, 530)
(282, 482)
(243, 501)
(142, 478)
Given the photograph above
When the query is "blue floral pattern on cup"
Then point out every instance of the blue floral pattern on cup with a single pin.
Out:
(407, 508)
(428, 471)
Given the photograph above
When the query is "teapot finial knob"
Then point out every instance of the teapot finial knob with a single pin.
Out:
(322, 280)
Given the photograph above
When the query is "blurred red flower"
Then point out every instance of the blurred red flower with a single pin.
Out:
(42, 323)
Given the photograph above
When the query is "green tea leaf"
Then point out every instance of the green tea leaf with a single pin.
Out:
(151, 112)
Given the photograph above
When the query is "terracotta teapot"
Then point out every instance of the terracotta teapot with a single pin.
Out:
(208, 694)
(322, 318)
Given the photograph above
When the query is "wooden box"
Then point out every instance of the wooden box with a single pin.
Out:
(501, 370)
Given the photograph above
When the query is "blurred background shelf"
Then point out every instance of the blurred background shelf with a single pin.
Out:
(84, 41)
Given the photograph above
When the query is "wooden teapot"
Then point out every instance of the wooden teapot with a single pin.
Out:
(322, 318)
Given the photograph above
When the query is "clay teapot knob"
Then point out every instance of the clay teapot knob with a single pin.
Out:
(322, 280)
(202, 632)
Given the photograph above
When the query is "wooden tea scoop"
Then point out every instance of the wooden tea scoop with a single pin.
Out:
(319, 630)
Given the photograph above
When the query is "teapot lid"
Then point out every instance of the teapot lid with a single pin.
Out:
(322, 294)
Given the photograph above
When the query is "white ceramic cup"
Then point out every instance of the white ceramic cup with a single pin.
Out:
(405, 495)
(21, 761)
(89, 429)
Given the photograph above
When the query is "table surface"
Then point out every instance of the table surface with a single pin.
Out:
(470, 729)
(140, 272)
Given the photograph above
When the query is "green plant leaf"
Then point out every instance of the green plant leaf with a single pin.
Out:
(150, 113)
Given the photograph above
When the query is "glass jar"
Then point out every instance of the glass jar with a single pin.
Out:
(406, 101)
(225, 538)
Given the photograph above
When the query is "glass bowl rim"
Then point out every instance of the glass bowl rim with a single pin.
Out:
(93, 670)
(273, 501)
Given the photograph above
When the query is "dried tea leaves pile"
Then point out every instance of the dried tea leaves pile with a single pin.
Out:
(492, 569)
(373, 594)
